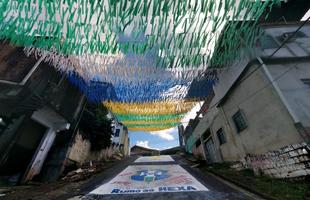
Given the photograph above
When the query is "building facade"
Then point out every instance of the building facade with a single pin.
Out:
(120, 138)
(37, 104)
(260, 114)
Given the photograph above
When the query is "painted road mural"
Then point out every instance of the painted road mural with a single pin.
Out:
(154, 159)
(150, 179)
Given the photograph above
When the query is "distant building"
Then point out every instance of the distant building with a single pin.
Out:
(121, 139)
(143, 151)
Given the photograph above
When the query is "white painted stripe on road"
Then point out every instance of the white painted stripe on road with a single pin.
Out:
(149, 179)
(154, 159)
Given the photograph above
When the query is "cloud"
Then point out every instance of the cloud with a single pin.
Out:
(191, 114)
(143, 143)
(165, 134)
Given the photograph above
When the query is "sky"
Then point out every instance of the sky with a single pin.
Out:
(157, 140)
(164, 139)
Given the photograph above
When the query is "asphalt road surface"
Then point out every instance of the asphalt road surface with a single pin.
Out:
(160, 177)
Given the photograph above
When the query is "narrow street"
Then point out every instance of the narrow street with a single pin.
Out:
(154, 99)
(159, 177)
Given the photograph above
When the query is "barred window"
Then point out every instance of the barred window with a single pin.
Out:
(221, 136)
(239, 121)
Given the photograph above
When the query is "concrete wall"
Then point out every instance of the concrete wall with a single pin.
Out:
(126, 146)
(124, 141)
(232, 150)
(297, 47)
(270, 126)
(294, 90)
(54, 123)
(80, 149)
(226, 77)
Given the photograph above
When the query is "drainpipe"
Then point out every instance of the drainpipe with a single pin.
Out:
(295, 118)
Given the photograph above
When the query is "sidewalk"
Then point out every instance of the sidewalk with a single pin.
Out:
(266, 188)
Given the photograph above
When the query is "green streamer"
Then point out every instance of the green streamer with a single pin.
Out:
(77, 28)
(153, 125)
(130, 117)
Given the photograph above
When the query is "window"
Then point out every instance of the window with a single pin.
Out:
(206, 134)
(117, 133)
(221, 136)
(239, 121)
(306, 81)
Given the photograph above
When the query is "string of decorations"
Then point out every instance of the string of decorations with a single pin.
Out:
(150, 122)
(140, 58)
(183, 33)
(157, 108)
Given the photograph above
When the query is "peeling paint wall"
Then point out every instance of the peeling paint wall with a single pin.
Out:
(269, 124)
(288, 162)
(103, 154)
(80, 149)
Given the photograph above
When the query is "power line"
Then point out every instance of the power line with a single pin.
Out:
(270, 56)
(280, 47)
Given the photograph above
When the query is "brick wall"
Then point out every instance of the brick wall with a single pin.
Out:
(288, 162)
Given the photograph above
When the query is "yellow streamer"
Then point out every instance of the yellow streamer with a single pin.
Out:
(147, 129)
(150, 108)
(127, 122)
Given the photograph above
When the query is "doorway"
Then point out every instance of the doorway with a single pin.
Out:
(210, 150)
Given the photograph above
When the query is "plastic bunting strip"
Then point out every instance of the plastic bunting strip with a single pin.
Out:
(115, 68)
(130, 117)
(177, 120)
(150, 115)
(150, 108)
(135, 78)
(149, 129)
(142, 58)
(130, 92)
(182, 32)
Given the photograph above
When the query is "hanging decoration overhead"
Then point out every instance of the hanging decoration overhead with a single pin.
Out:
(152, 116)
(148, 61)
(182, 32)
